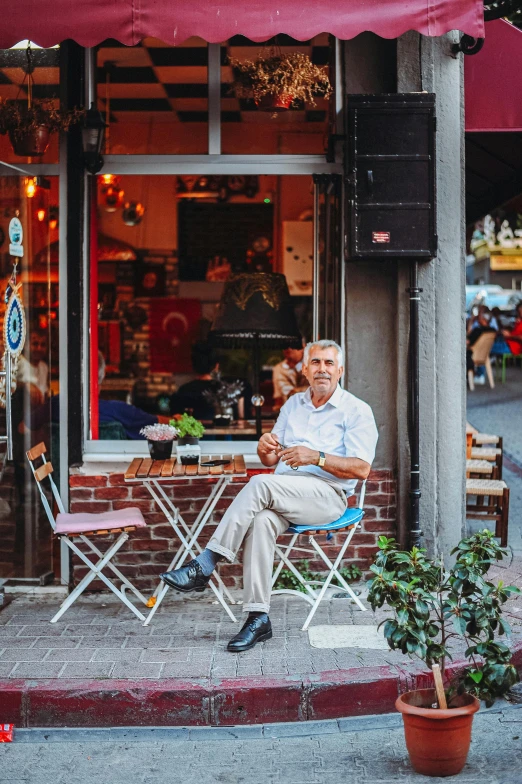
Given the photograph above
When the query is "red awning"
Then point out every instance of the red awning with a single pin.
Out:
(493, 81)
(173, 21)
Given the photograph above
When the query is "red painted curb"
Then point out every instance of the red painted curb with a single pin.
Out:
(203, 702)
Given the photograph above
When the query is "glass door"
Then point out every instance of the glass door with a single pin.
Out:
(29, 268)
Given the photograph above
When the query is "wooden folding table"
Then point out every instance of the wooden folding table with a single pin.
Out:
(153, 474)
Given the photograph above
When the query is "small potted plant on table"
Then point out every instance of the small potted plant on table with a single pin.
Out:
(160, 439)
(432, 608)
(189, 432)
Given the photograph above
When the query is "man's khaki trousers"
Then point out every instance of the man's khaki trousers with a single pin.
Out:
(262, 511)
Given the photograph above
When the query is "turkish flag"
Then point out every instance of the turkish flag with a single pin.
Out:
(174, 327)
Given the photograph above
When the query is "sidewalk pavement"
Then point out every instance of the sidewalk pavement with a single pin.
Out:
(370, 749)
(99, 667)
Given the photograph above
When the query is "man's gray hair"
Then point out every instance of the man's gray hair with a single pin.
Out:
(321, 344)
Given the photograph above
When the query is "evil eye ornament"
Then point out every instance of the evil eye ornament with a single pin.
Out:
(14, 326)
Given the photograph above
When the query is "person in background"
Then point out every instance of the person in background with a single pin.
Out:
(515, 346)
(34, 372)
(482, 326)
(496, 319)
(130, 417)
(190, 397)
(287, 376)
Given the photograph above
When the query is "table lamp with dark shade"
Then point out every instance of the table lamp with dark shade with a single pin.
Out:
(255, 312)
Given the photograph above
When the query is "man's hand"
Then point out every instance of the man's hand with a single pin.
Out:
(268, 444)
(268, 449)
(295, 456)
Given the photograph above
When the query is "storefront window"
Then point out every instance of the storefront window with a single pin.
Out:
(26, 542)
(156, 100)
(161, 269)
(155, 97)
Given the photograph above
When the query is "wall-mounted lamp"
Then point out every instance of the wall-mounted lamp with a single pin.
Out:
(93, 130)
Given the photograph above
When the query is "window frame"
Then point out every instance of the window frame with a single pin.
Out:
(211, 163)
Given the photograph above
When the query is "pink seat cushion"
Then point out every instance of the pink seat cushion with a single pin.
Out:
(82, 521)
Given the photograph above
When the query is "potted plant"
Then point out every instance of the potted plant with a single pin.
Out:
(189, 432)
(160, 439)
(30, 123)
(277, 81)
(432, 608)
(222, 397)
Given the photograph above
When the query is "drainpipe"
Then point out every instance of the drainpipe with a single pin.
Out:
(414, 434)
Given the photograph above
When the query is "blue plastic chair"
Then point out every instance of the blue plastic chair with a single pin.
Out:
(349, 523)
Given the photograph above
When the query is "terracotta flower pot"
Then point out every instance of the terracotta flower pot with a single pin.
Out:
(437, 740)
(34, 142)
(275, 102)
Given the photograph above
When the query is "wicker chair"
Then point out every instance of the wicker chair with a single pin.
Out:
(491, 503)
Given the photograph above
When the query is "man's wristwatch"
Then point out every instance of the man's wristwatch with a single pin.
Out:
(322, 459)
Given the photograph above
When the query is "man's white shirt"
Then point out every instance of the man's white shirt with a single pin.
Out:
(344, 426)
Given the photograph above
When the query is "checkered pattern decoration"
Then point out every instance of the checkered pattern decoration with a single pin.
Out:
(156, 80)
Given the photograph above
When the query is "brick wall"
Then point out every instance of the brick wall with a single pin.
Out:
(149, 551)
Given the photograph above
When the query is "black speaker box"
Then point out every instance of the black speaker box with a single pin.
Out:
(391, 176)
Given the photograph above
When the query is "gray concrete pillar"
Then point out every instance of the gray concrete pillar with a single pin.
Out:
(427, 64)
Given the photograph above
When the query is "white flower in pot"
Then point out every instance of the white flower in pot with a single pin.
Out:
(160, 439)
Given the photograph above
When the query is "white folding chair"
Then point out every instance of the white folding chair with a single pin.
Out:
(81, 525)
(347, 524)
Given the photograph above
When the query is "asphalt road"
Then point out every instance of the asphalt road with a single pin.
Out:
(351, 750)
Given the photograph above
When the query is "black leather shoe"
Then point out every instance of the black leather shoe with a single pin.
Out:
(256, 629)
(187, 578)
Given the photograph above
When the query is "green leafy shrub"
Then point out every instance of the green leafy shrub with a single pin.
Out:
(288, 580)
(433, 606)
(187, 425)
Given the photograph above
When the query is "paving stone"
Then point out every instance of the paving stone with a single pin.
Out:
(71, 655)
(131, 628)
(116, 655)
(102, 642)
(164, 655)
(17, 642)
(183, 670)
(22, 654)
(88, 631)
(37, 670)
(136, 670)
(91, 670)
(9, 631)
(5, 669)
(55, 642)
(157, 641)
(43, 630)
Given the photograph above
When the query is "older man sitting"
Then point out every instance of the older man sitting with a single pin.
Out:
(323, 442)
